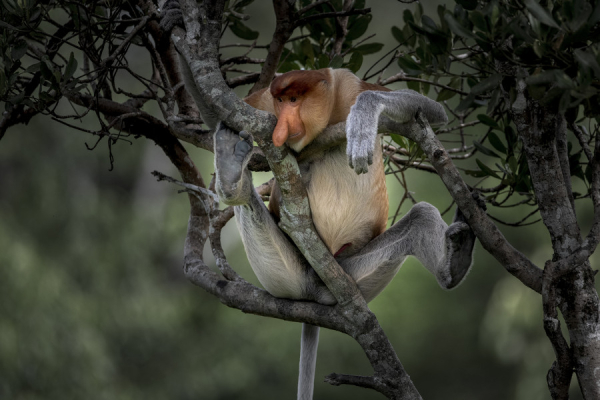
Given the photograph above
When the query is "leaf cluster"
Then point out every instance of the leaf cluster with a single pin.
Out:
(478, 51)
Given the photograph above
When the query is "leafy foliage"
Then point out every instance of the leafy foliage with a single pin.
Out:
(467, 48)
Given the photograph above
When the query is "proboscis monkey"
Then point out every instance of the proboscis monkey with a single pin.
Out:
(349, 204)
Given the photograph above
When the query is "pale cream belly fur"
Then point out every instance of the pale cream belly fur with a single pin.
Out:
(347, 208)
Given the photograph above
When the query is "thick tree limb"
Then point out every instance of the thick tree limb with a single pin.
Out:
(576, 294)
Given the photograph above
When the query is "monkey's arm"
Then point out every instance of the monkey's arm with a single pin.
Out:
(361, 124)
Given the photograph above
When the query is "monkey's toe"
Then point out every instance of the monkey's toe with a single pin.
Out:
(171, 16)
(460, 241)
(232, 151)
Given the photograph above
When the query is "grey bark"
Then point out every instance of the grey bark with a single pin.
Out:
(573, 291)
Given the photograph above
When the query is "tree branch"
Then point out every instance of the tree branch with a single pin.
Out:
(285, 15)
(559, 375)
(305, 20)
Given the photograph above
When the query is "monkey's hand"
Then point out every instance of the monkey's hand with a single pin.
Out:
(361, 131)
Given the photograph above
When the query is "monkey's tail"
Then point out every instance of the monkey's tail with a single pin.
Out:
(308, 361)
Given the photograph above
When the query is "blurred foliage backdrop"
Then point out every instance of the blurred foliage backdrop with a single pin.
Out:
(93, 304)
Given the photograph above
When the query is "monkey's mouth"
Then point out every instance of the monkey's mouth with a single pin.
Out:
(295, 135)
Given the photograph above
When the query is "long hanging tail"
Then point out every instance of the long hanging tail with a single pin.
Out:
(308, 361)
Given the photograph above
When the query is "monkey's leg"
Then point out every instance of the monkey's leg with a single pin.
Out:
(277, 263)
(444, 250)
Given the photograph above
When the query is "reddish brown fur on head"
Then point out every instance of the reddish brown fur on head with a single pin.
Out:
(298, 83)
(302, 101)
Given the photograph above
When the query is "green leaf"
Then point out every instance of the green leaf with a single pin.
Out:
(355, 62)
(457, 28)
(512, 163)
(486, 120)
(70, 68)
(399, 140)
(33, 68)
(430, 26)
(409, 66)
(413, 85)
(308, 52)
(484, 150)
(322, 61)
(495, 15)
(540, 13)
(407, 16)
(359, 27)
(369, 48)
(287, 66)
(445, 94)
(479, 21)
(496, 142)
(336, 62)
(486, 169)
(242, 31)
(397, 34)
(487, 84)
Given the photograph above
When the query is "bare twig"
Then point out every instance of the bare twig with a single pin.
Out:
(305, 20)
(401, 76)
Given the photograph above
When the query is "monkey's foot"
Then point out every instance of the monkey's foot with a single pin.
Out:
(171, 15)
(460, 241)
(232, 152)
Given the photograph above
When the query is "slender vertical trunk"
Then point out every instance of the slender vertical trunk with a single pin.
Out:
(575, 292)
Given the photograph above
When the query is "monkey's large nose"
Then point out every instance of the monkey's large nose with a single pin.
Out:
(281, 132)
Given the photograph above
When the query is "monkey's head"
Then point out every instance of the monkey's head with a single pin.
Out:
(303, 101)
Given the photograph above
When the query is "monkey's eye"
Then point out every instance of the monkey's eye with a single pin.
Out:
(293, 99)
(279, 99)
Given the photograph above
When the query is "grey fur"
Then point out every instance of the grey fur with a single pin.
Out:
(362, 122)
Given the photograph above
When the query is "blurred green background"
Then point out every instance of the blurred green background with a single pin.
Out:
(94, 305)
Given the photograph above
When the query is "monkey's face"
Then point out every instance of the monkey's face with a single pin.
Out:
(290, 127)
(302, 104)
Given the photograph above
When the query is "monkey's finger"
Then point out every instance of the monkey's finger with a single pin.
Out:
(360, 164)
(350, 154)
